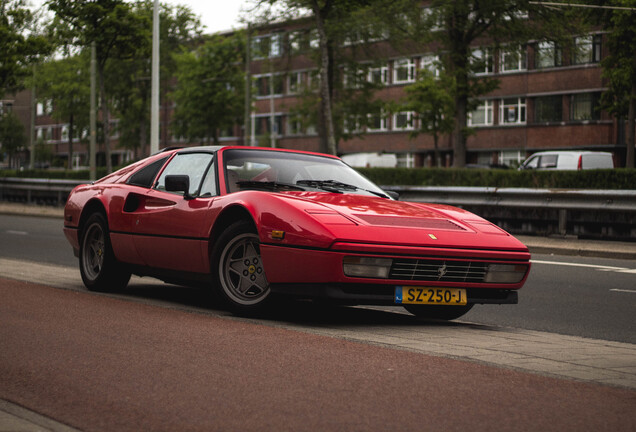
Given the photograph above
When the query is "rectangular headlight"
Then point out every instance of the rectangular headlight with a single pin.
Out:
(367, 267)
(505, 273)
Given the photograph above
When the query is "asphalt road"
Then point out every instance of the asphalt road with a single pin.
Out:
(578, 296)
(153, 358)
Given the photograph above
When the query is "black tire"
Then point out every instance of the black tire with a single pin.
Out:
(99, 269)
(238, 269)
(438, 312)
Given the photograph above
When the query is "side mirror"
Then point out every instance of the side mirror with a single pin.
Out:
(179, 183)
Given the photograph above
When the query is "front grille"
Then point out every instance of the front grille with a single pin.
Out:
(438, 270)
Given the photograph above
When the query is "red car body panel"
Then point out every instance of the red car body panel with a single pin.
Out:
(165, 230)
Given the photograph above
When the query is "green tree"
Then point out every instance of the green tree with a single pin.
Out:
(20, 46)
(619, 68)
(65, 81)
(432, 100)
(129, 79)
(12, 136)
(116, 31)
(338, 30)
(210, 88)
(455, 28)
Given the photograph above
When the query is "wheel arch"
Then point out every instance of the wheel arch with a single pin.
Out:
(91, 207)
(228, 216)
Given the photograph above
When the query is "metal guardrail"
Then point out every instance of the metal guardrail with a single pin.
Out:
(593, 213)
(574, 199)
(37, 191)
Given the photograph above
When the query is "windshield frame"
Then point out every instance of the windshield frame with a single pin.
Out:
(289, 167)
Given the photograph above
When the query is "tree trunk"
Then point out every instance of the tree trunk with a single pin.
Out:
(631, 126)
(438, 159)
(70, 143)
(325, 94)
(459, 137)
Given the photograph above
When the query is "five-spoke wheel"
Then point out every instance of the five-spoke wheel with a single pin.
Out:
(99, 269)
(240, 271)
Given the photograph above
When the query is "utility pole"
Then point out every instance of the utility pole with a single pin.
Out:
(154, 97)
(92, 146)
(247, 121)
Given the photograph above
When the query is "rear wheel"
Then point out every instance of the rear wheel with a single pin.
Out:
(99, 269)
(438, 312)
(240, 273)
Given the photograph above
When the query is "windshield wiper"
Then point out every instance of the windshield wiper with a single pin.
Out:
(268, 185)
(336, 186)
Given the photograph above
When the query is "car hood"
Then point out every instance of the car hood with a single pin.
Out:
(363, 219)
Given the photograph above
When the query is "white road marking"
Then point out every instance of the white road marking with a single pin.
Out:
(623, 290)
(594, 266)
(17, 232)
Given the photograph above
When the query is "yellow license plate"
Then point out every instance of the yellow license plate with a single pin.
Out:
(427, 295)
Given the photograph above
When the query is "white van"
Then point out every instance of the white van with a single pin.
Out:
(370, 160)
(569, 160)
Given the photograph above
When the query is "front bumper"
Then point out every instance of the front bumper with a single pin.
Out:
(363, 294)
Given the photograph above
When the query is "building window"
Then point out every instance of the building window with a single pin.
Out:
(403, 121)
(547, 55)
(351, 124)
(482, 115)
(403, 71)
(263, 88)
(267, 46)
(512, 111)
(378, 75)
(548, 109)
(262, 124)
(585, 106)
(587, 49)
(298, 41)
(294, 126)
(376, 122)
(513, 59)
(482, 61)
(294, 82)
(64, 133)
(430, 63)
(405, 160)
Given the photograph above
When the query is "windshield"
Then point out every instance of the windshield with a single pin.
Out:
(274, 170)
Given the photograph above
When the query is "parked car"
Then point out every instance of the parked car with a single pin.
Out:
(256, 223)
(569, 160)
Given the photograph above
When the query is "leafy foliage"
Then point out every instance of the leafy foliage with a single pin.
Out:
(585, 179)
(12, 136)
(20, 46)
(210, 88)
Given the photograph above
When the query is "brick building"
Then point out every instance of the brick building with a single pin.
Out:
(547, 100)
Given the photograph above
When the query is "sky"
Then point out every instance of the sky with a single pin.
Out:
(216, 15)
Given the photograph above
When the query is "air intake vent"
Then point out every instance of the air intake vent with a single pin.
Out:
(393, 221)
(437, 270)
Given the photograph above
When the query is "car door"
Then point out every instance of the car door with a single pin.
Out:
(172, 229)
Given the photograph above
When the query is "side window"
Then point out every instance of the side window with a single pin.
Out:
(194, 165)
(208, 187)
(548, 161)
(532, 163)
(146, 175)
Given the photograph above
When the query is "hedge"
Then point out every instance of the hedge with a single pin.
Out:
(587, 179)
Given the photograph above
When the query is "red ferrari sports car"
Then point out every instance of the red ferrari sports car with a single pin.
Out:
(254, 223)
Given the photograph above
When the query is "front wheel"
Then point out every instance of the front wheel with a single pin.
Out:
(99, 268)
(240, 273)
(438, 312)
